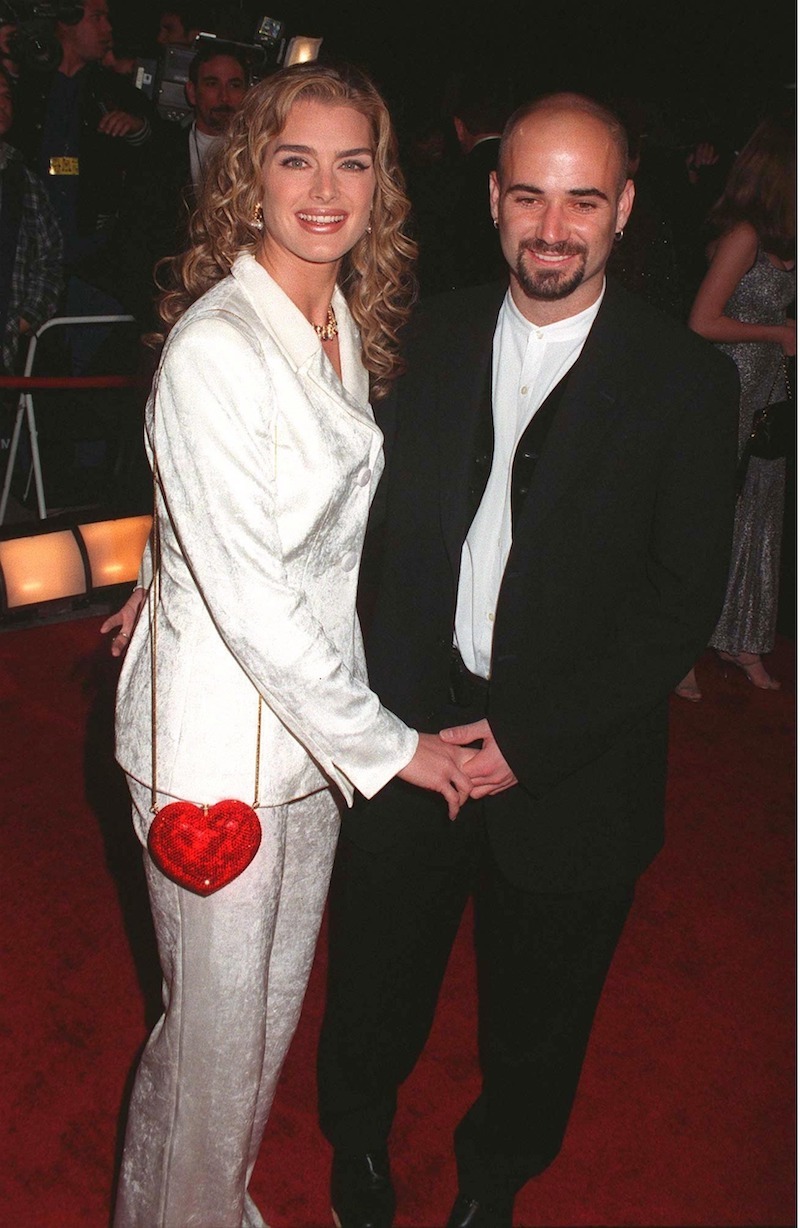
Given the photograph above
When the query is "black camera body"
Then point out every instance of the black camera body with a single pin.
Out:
(34, 44)
(164, 79)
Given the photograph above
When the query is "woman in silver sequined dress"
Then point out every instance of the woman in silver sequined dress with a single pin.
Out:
(741, 305)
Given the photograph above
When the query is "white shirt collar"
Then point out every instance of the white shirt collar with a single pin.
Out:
(293, 332)
(571, 328)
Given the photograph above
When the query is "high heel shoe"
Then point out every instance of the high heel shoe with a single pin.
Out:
(687, 688)
(752, 667)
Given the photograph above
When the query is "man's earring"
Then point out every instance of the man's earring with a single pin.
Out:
(618, 236)
(495, 223)
(258, 217)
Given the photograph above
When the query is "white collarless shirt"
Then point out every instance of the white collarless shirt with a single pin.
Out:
(200, 146)
(528, 361)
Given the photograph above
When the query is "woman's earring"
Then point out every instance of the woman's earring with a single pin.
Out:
(369, 228)
(258, 217)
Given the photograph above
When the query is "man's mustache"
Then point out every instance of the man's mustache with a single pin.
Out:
(564, 248)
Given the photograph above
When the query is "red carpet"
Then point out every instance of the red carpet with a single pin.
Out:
(686, 1110)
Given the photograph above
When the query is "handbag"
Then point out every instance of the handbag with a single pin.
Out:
(772, 431)
(200, 847)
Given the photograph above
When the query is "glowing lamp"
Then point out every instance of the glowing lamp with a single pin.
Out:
(114, 549)
(69, 563)
(42, 568)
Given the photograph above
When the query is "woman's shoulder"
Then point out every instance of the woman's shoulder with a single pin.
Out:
(732, 255)
(739, 242)
(221, 312)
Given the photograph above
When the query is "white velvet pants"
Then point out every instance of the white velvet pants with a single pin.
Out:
(235, 965)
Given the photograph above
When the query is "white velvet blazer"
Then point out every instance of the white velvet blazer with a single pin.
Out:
(267, 466)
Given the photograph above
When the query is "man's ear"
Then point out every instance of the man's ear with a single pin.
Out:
(191, 93)
(625, 204)
(494, 195)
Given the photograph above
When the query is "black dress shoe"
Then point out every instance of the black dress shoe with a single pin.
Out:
(477, 1213)
(362, 1195)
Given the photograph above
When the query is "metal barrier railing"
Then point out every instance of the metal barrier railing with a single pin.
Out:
(29, 383)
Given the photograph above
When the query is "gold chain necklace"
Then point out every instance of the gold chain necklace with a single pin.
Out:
(328, 330)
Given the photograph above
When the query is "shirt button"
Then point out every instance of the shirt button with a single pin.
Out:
(491, 618)
(523, 392)
(363, 476)
(349, 560)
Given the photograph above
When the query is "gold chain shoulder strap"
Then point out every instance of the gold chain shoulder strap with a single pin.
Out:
(153, 601)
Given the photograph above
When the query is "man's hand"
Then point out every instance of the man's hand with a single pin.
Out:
(441, 769)
(120, 123)
(702, 154)
(487, 769)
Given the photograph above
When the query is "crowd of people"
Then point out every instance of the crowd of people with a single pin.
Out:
(122, 179)
(113, 169)
(97, 187)
(544, 558)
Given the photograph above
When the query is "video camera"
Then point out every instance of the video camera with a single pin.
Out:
(164, 79)
(34, 44)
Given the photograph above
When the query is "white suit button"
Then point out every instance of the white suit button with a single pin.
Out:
(349, 560)
(363, 476)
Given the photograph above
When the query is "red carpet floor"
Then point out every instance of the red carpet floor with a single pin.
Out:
(686, 1112)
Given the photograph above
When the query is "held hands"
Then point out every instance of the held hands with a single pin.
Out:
(440, 768)
(126, 620)
(487, 770)
(450, 765)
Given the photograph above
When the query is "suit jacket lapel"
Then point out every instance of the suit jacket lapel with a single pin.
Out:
(588, 413)
(465, 424)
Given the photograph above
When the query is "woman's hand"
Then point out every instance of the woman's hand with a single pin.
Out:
(126, 620)
(439, 767)
(489, 771)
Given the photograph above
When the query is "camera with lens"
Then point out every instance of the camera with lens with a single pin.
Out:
(164, 79)
(33, 43)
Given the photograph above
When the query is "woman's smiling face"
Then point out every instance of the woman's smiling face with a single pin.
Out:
(318, 183)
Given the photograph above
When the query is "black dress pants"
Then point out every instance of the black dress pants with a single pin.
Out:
(542, 963)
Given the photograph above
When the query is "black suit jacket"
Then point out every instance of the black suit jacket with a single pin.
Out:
(614, 582)
(106, 163)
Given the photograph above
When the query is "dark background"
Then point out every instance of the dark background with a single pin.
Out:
(703, 69)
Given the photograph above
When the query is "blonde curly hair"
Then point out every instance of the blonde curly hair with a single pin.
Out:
(376, 276)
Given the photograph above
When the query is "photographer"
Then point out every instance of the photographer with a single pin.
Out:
(30, 244)
(84, 129)
(180, 23)
(160, 203)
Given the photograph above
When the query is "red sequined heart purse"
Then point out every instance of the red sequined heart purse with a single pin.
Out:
(203, 848)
